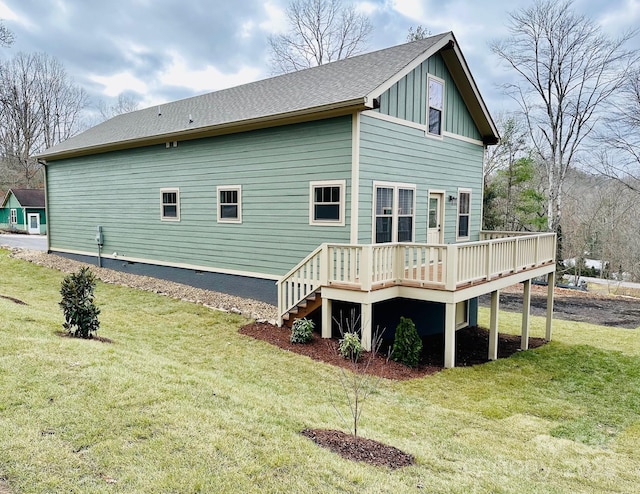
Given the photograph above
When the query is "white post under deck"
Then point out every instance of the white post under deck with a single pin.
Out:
(326, 317)
(449, 335)
(526, 309)
(366, 320)
(551, 280)
(493, 325)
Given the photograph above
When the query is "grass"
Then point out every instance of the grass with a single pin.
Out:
(180, 402)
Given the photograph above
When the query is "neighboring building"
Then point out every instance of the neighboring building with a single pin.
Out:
(24, 210)
(338, 182)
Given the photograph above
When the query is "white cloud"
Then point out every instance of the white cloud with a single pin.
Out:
(626, 15)
(276, 21)
(206, 78)
(9, 15)
(367, 8)
(413, 9)
(118, 83)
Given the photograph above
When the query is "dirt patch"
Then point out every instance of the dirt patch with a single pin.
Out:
(574, 305)
(4, 487)
(359, 448)
(101, 339)
(472, 348)
(15, 300)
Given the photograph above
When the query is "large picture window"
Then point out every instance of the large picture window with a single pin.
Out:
(394, 212)
(170, 204)
(327, 203)
(464, 214)
(436, 106)
(229, 204)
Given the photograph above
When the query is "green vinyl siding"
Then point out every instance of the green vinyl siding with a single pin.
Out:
(390, 152)
(407, 99)
(121, 192)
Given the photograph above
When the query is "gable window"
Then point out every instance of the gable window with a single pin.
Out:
(170, 204)
(464, 214)
(13, 217)
(229, 204)
(394, 209)
(436, 106)
(327, 203)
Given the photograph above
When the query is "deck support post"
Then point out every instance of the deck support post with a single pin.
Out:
(551, 281)
(326, 317)
(526, 309)
(493, 325)
(449, 335)
(366, 325)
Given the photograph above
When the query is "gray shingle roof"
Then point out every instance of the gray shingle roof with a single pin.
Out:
(339, 84)
(28, 198)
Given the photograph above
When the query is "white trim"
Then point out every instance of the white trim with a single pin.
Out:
(395, 120)
(229, 188)
(394, 213)
(463, 190)
(355, 178)
(462, 138)
(431, 77)
(410, 67)
(341, 207)
(13, 216)
(154, 262)
(443, 198)
(29, 216)
(170, 190)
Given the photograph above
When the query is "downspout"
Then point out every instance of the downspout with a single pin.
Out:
(46, 204)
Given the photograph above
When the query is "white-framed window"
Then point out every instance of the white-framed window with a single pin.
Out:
(170, 204)
(229, 203)
(327, 202)
(435, 109)
(13, 217)
(464, 214)
(394, 212)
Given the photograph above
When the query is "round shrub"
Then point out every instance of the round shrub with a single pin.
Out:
(407, 344)
(350, 346)
(301, 330)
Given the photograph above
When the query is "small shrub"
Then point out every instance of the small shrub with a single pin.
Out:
(80, 313)
(407, 344)
(350, 346)
(301, 330)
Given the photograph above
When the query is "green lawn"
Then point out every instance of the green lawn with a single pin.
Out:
(180, 402)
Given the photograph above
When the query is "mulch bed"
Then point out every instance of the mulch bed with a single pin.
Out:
(359, 448)
(472, 348)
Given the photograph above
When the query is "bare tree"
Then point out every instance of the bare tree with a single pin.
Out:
(320, 31)
(6, 36)
(419, 33)
(568, 70)
(124, 104)
(39, 107)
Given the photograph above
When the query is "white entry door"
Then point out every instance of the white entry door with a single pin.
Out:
(34, 223)
(435, 226)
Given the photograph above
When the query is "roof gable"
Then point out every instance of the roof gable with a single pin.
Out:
(28, 198)
(340, 87)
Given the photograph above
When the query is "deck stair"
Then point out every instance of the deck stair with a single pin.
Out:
(303, 308)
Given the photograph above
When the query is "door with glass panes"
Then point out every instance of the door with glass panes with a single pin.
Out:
(394, 212)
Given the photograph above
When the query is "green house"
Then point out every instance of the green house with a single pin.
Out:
(353, 184)
(24, 210)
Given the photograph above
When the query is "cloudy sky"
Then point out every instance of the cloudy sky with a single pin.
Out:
(163, 50)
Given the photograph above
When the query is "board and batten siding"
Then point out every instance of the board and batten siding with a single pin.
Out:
(121, 192)
(407, 99)
(392, 152)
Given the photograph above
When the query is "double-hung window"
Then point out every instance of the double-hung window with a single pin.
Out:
(229, 204)
(464, 214)
(327, 203)
(394, 217)
(170, 204)
(436, 106)
(13, 217)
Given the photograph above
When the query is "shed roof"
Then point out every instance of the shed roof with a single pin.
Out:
(28, 198)
(335, 88)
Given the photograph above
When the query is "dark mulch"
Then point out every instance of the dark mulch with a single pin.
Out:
(15, 300)
(472, 348)
(359, 449)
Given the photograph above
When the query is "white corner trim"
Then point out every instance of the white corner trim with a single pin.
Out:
(355, 178)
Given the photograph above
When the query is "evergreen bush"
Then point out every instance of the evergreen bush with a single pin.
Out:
(350, 346)
(80, 313)
(407, 344)
(301, 330)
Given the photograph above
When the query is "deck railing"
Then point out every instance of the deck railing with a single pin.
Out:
(439, 266)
